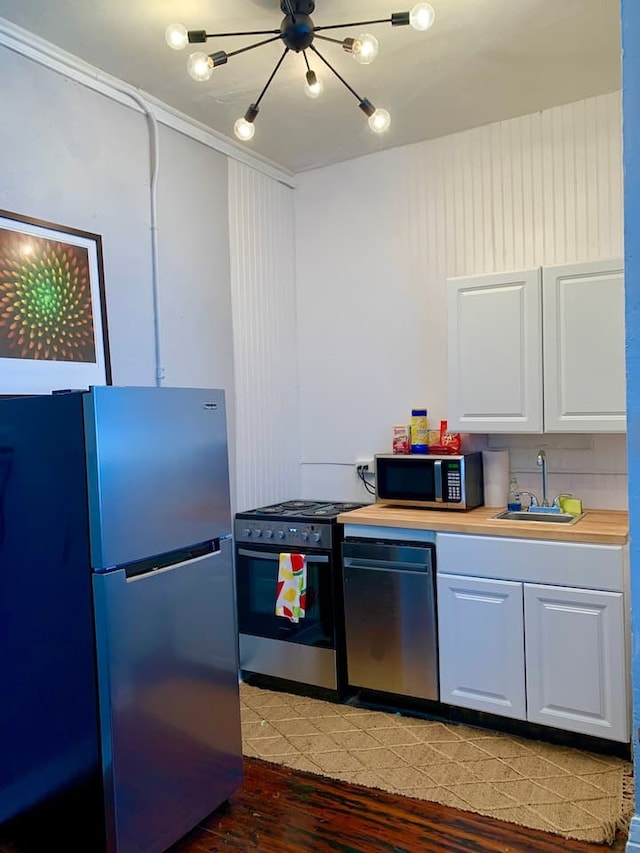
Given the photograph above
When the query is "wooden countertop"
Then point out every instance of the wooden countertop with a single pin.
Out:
(601, 526)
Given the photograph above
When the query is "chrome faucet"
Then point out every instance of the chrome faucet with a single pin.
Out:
(558, 498)
(541, 461)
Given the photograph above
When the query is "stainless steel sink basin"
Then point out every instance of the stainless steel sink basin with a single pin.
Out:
(543, 517)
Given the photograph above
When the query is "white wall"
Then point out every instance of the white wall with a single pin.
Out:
(76, 158)
(378, 236)
(265, 337)
(73, 156)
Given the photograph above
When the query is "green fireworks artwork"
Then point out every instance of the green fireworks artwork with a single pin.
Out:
(45, 300)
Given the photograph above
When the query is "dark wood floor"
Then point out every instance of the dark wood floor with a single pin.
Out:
(279, 810)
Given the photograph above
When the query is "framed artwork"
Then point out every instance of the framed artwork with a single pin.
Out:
(53, 321)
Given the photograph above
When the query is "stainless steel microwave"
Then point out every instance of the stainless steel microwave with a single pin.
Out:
(430, 481)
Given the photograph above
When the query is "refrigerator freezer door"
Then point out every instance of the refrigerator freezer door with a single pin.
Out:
(157, 471)
(168, 692)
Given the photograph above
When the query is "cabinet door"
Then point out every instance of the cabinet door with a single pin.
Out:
(481, 645)
(584, 363)
(575, 660)
(495, 352)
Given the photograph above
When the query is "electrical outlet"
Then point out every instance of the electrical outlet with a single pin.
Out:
(364, 464)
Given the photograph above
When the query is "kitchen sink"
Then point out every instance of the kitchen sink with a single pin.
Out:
(543, 517)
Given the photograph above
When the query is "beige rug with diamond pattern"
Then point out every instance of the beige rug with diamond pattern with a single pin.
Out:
(558, 789)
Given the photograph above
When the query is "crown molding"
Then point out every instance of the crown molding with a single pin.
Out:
(51, 56)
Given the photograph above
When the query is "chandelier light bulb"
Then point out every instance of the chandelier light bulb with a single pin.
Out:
(200, 66)
(176, 36)
(380, 121)
(365, 49)
(244, 129)
(422, 16)
(314, 86)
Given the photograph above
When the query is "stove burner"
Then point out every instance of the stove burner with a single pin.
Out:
(285, 508)
(302, 509)
(269, 510)
(329, 510)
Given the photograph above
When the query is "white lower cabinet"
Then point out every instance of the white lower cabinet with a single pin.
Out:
(516, 640)
(575, 660)
(480, 645)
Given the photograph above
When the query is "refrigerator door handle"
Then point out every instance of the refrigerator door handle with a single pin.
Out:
(152, 568)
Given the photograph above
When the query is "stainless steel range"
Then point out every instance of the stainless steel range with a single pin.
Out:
(312, 651)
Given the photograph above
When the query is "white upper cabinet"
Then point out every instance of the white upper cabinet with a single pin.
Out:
(583, 333)
(495, 353)
(509, 330)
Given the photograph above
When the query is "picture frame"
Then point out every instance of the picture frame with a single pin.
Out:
(53, 317)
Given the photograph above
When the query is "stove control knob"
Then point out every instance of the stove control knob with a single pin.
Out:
(246, 532)
(304, 535)
(316, 537)
(257, 532)
(269, 534)
(280, 534)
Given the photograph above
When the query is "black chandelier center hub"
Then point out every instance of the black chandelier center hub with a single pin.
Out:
(297, 31)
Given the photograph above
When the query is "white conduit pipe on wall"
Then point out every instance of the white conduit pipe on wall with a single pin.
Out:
(154, 161)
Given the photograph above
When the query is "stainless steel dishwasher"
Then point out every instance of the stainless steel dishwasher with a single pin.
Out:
(390, 616)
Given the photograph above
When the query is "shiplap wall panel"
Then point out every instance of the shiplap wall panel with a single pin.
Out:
(262, 250)
(541, 189)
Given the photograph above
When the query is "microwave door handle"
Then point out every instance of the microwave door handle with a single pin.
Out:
(437, 464)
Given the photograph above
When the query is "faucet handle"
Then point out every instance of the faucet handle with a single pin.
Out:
(533, 500)
(558, 498)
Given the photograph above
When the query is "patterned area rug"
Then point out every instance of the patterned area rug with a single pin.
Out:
(557, 789)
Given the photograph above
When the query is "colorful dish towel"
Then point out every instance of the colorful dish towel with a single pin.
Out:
(292, 587)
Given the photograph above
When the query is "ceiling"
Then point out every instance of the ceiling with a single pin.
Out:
(482, 61)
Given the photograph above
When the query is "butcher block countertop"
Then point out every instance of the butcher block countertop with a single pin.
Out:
(601, 526)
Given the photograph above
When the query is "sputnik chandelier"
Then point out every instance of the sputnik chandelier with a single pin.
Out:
(297, 33)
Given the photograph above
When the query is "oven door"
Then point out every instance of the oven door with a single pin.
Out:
(256, 589)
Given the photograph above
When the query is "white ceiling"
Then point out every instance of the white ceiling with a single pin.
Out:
(482, 61)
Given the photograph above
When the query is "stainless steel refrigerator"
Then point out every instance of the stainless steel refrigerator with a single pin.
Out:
(118, 640)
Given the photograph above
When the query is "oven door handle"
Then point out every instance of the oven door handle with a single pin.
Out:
(263, 555)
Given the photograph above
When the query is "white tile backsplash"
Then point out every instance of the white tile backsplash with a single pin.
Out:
(591, 467)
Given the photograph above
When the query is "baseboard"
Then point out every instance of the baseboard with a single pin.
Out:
(633, 842)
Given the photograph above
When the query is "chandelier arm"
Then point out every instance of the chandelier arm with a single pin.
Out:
(353, 24)
(339, 76)
(304, 53)
(328, 38)
(248, 33)
(252, 46)
(273, 74)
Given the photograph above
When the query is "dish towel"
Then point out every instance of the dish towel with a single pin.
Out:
(292, 587)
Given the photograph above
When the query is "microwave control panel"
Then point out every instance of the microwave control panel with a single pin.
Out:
(453, 482)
